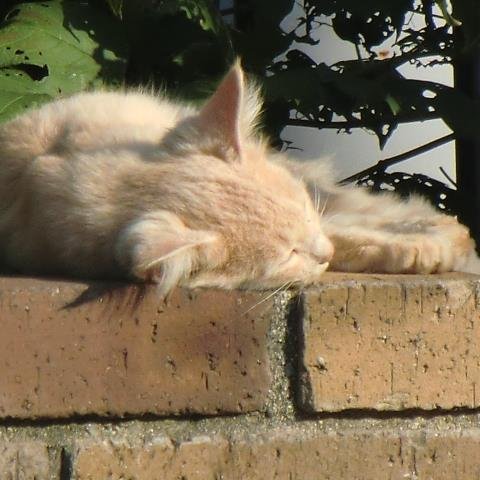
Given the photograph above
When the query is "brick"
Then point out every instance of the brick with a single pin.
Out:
(290, 454)
(391, 343)
(27, 461)
(75, 349)
(160, 459)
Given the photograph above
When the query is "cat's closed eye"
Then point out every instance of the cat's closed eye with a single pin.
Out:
(290, 256)
(320, 256)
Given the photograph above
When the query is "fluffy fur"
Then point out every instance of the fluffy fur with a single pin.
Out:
(126, 184)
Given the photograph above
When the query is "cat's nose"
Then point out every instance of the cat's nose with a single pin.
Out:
(323, 249)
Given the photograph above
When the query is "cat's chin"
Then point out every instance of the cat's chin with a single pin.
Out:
(284, 282)
(233, 282)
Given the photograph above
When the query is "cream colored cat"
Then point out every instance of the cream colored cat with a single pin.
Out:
(112, 185)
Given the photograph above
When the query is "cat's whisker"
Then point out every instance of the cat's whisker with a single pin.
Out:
(283, 287)
(315, 198)
(288, 286)
(324, 206)
(329, 219)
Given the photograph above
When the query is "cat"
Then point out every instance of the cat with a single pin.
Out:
(132, 185)
(381, 233)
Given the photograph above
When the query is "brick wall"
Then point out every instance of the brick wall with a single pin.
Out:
(359, 377)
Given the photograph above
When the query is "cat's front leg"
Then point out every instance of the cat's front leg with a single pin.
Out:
(362, 244)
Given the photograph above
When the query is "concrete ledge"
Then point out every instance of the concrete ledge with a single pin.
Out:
(112, 350)
(361, 376)
(391, 343)
(365, 342)
(28, 460)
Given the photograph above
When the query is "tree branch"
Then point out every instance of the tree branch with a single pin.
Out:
(387, 162)
(355, 123)
(300, 122)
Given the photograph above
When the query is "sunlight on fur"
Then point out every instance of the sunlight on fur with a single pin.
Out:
(130, 185)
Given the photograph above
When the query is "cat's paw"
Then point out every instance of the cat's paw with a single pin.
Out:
(437, 247)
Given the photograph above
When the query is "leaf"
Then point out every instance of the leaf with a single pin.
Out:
(393, 104)
(203, 12)
(116, 6)
(56, 48)
(182, 45)
(404, 184)
(262, 39)
(369, 22)
(446, 14)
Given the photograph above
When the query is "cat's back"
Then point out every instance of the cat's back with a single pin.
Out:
(86, 122)
(110, 119)
(89, 121)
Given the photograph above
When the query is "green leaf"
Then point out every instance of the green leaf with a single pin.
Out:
(116, 6)
(56, 48)
(393, 104)
(181, 45)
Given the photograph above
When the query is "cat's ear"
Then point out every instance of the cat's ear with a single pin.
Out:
(160, 248)
(231, 112)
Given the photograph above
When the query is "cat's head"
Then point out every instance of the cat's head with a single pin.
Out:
(235, 218)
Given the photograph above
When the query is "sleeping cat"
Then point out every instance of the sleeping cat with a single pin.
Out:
(126, 184)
